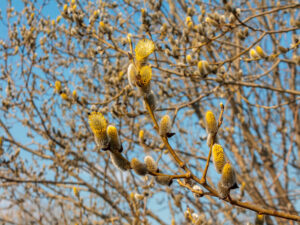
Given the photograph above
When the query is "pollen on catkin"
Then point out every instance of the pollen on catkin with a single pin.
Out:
(253, 54)
(114, 141)
(150, 164)
(165, 125)
(228, 176)
(64, 96)
(144, 77)
(119, 161)
(131, 74)
(204, 67)
(76, 192)
(164, 180)
(218, 157)
(260, 52)
(98, 125)
(211, 123)
(259, 220)
(57, 86)
(138, 167)
(143, 49)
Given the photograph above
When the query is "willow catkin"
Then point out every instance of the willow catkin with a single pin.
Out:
(218, 157)
(98, 125)
(151, 99)
(211, 123)
(150, 164)
(119, 161)
(138, 167)
(114, 141)
(165, 125)
(222, 190)
(228, 176)
(259, 220)
(131, 75)
(164, 180)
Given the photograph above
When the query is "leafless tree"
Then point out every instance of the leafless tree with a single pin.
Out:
(126, 112)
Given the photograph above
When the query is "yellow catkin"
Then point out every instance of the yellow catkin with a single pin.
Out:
(57, 86)
(119, 161)
(114, 141)
(189, 59)
(138, 167)
(164, 180)
(203, 67)
(144, 77)
(253, 54)
(143, 49)
(142, 136)
(76, 192)
(259, 220)
(218, 157)
(260, 51)
(98, 125)
(165, 125)
(228, 176)
(64, 96)
(211, 123)
(150, 164)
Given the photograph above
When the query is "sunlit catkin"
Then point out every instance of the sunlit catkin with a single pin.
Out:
(165, 125)
(253, 54)
(143, 49)
(98, 125)
(218, 157)
(132, 73)
(76, 192)
(144, 77)
(260, 52)
(164, 180)
(204, 67)
(150, 164)
(211, 123)
(57, 86)
(228, 176)
(259, 220)
(114, 141)
(119, 161)
(138, 167)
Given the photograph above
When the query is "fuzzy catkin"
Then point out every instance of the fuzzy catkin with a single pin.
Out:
(131, 75)
(218, 157)
(114, 141)
(259, 220)
(151, 99)
(138, 167)
(119, 161)
(211, 123)
(150, 164)
(164, 180)
(228, 176)
(222, 190)
(165, 125)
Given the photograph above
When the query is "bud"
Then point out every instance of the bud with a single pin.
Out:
(259, 220)
(211, 123)
(189, 59)
(57, 86)
(119, 161)
(151, 99)
(138, 196)
(143, 49)
(218, 157)
(222, 190)
(74, 94)
(164, 180)
(198, 189)
(260, 52)
(203, 67)
(150, 164)
(253, 54)
(228, 176)
(165, 125)
(76, 192)
(138, 167)
(114, 141)
(132, 74)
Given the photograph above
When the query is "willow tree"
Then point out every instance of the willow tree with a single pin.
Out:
(149, 112)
